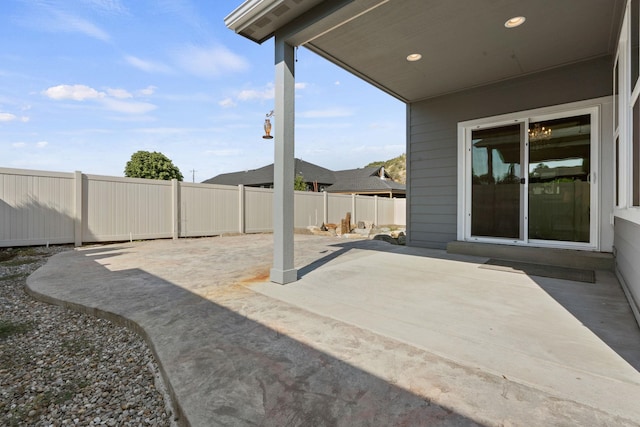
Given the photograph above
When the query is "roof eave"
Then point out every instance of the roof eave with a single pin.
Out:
(247, 14)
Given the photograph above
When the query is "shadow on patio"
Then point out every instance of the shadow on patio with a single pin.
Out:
(368, 336)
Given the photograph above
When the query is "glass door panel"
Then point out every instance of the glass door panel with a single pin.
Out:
(495, 187)
(559, 174)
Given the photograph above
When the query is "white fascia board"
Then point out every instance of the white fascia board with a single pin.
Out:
(249, 12)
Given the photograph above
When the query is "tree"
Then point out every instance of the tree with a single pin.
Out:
(299, 184)
(151, 165)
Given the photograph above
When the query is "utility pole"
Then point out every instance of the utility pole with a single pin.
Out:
(193, 175)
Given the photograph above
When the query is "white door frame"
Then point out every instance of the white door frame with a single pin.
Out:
(591, 107)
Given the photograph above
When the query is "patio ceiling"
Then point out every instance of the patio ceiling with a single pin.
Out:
(463, 43)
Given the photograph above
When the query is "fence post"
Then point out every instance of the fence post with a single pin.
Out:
(354, 216)
(241, 216)
(325, 209)
(375, 210)
(77, 215)
(175, 209)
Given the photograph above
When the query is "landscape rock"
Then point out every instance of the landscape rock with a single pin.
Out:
(60, 367)
(385, 238)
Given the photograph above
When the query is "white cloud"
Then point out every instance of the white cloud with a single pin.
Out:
(337, 83)
(266, 93)
(7, 117)
(148, 66)
(163, 130)
(227, 103)
(119, 93)
(85, 27)
(327, 113)
(74, 92)
(129, 107)
(148, 91)
(259, 94)
(59, 16)
(59, 21)
(209, 62)
(39, 144)
(117, 100)
(111, 6)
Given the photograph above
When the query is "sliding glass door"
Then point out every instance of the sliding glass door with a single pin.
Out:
(559, 179)
(496, 209)
(530, 181)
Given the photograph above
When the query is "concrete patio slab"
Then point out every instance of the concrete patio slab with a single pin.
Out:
(371, 334)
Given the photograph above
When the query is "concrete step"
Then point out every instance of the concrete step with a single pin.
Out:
(546, 256)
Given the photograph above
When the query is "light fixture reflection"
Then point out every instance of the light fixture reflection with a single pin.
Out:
(414, 57)
(516, 21)
(267, 126)
(539, 133)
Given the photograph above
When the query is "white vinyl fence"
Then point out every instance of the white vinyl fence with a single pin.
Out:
(38, 208)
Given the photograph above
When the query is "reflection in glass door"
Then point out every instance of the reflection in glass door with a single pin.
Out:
(559, 175)
(496, 208)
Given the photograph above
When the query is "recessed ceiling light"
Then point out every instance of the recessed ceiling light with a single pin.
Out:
(515, 21)
(414, 57)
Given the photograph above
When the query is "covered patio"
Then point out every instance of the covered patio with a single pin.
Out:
(453, 63)
(371, 334)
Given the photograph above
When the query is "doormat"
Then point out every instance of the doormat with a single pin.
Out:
(552, 271)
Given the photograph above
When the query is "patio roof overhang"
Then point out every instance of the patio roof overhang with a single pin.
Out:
(464, 44)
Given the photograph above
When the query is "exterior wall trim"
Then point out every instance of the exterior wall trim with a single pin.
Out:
(633, 303)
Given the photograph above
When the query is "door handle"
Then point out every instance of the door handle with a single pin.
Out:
(523, 180)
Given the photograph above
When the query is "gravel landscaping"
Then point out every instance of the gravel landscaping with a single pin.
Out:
(59, 367)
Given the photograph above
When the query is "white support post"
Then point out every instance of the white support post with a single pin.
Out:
(241, 215)
(283, 270)
(175, 210)
(77, 217)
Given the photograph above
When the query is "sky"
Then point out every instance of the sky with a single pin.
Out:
(86, 83)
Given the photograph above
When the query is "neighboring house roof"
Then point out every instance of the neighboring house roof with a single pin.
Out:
(369, 180)
(264, 176)
(358, 181)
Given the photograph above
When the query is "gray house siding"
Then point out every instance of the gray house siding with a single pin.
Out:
(432, 137)
(627, 244)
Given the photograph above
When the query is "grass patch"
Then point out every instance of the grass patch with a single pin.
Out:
(10, 358)
(13, 277)
(27, 252)
(17, 262)
(68, 390)
(78, 346)
(8, 328)
(9, 254)
(66, 394)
